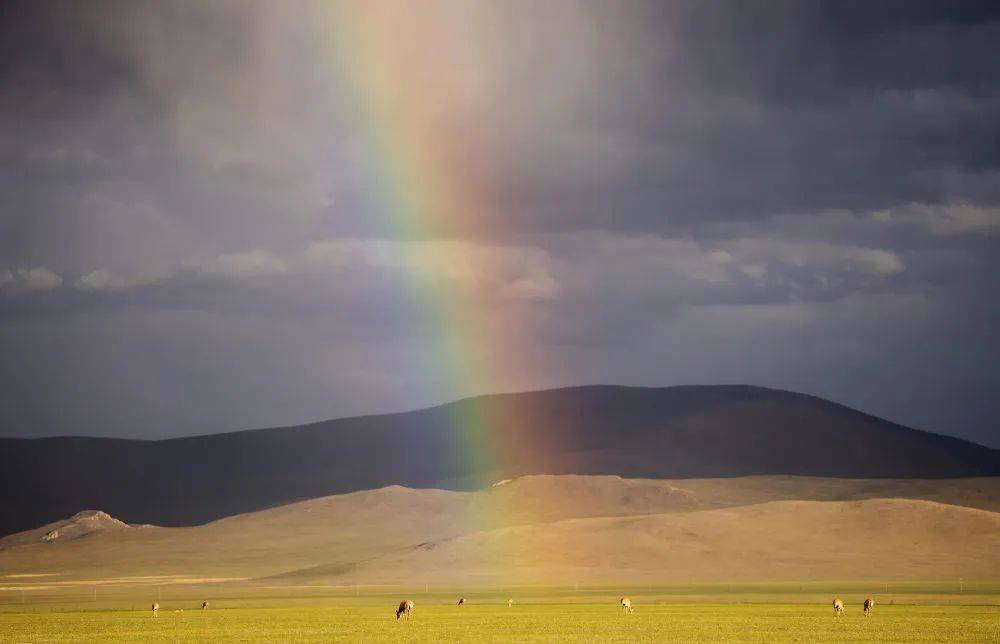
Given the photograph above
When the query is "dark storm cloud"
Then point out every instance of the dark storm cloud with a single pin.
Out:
(739, 111)
(192, 220)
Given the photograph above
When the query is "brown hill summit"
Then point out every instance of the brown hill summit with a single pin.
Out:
(565, 529)
(673, 432)
(79, 525)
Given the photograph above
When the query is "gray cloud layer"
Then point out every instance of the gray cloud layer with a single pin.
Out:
(193, 224)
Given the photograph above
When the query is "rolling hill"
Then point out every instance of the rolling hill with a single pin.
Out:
(674, 432)
(552, 529)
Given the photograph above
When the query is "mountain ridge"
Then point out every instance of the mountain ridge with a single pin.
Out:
(672, 432)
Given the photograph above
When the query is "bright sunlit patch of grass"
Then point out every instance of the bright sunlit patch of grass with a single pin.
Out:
(332, 620)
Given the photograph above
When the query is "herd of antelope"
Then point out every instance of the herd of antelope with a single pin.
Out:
(405, 608)
(838, 606)
(156, 608)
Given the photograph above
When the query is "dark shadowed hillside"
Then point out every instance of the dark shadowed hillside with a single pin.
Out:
(673, 432)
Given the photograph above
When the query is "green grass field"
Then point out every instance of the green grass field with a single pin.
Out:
(535, 622)
(765, 615)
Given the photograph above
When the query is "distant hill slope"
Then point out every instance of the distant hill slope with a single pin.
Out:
(556, 529)
(692, 431)
(776, 541)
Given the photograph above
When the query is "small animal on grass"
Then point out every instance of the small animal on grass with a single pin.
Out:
(510, 602)
(838, 606)
(869, 605)
(626, 605)
(405, 608)
(156, 608)
(461, 601)
(204, 605)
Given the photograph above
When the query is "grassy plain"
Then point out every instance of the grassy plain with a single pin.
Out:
(695, 613)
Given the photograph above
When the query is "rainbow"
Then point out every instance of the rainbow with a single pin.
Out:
(425, 194)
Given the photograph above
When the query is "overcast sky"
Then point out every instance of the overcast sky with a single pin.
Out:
(195, 232)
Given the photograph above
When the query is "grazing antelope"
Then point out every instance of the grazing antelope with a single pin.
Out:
(204, 605)
(405, 608)
(869, 605)
(461, 601)
(510, 602)
(838, 607)
(156, 608)
(626, 605)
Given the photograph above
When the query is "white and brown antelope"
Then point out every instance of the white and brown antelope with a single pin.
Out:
(405, 608)
(626, 605)
(510, 602)
(156, 608)
(204, 605)
(869, 605)
(838, 606)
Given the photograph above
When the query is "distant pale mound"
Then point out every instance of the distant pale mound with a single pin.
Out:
(782, 540)
(81, 524)
(559, 529)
